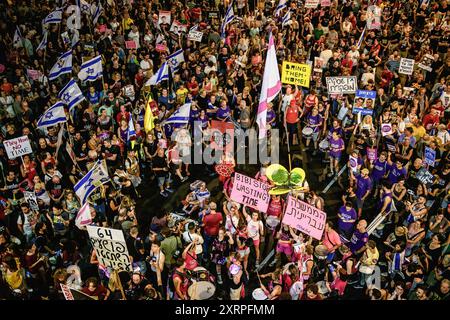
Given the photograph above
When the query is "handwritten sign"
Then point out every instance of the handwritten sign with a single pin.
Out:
(130, 44)
(406, 66)
(17, 147)
(341, 85)
(110, 247)
(250, 192)
(305, 218)
(195, 35)
(312, 4)
(325, 3)
(296, 73)
(66, 292)
(430, 156)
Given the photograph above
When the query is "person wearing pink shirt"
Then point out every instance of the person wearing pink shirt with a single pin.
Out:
(331, 240)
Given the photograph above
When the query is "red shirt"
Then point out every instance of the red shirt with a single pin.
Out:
(212, 223)
(191, 262)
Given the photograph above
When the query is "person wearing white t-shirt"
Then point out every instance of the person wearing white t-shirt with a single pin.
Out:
(134, 35)
(255, 231)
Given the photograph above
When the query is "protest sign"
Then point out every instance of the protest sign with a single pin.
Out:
(161, 48)
(425, 177)
(318, 64)
(130, 44)
(296, 73)
(222, 135)
(250, 192)
(364, 102)
(17, 147)
(311, 4)
(110, 247)
(325, 3)
(34, 74)
(178, 27)
(30, 197)
(386, 129)
(371, 154)
(66, 292)
(164, 17)
(406, 66)
(430, 156)
(353, 163)
(195, 35)
(341, 85)
(426, 62)
(213, 14)
(305, 218)
(373, 17)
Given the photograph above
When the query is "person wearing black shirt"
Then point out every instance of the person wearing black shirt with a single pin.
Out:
(111, 153)
(161, 170)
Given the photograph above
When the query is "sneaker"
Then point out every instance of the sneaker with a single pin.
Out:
(184, 179)
(169, 190)
(330, 174)
(164, 194)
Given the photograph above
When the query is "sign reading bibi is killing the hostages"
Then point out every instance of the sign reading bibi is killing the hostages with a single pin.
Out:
(305, 218)
(111, 248)
(296, 73)
(250, 192)
(341, 85)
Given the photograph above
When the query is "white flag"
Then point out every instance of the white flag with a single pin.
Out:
(84, 217)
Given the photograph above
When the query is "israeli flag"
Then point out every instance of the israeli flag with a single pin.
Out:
(280, 7)
(63, 65)
(53, 17)
(96, 11)
(91, 70)
(286, 19)
(84, 6)
(131, 131)
(175, 60)
(96, 177)
(43, 44)
(229, 16)
(181, 115)
(160, 75)
(17, 40)
(71, 94)
(52, 116)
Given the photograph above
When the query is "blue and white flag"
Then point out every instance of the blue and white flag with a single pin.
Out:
(160, 75)
(84, 6)
(131, 131)
(17, 40)
(62, 66)
(53, 17)
(229, 16)
(91, 70)
(286, 19)
(181, 115)
(281, 5)
(96, 177)
(96, 11)
(361, 38)
(71, 94)
(175, 60)
(43, 44)
(52, 116)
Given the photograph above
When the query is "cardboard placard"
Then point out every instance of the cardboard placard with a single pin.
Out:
(17, 147)
(296, 73)
(342, 85)
(250, 192)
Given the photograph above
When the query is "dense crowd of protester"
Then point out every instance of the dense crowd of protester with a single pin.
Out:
(221, 242)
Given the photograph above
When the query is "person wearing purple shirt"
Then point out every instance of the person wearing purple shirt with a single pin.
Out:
(396, 170)
(271, 116)
(346, 219)
(336, 127)
(359, 238)
(363, 188)
(223, 113)
(314, 121)
(337, 145)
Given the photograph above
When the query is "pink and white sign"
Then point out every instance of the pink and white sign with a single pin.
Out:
(305, 218)
(250, 192)
(130, 44)
(372, 153)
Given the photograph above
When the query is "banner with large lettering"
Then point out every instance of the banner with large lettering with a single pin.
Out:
(296, 73)
(250, 192)
(342, 85)
(305, 218)
(17, 147)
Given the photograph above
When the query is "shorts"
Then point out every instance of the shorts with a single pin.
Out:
(336, 156)
(256, 242)
(359, 203)
(244, 252)
(163, 179)
(285, 248)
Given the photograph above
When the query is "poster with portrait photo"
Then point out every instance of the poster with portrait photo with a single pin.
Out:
(164, 18)
(373, 18)
(426, 62)
(177, 27)
(364, 102)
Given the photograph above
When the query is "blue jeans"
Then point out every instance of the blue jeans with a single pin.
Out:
(206, 243)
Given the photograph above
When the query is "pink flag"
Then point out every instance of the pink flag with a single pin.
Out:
(271, 86)
(84, 216)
